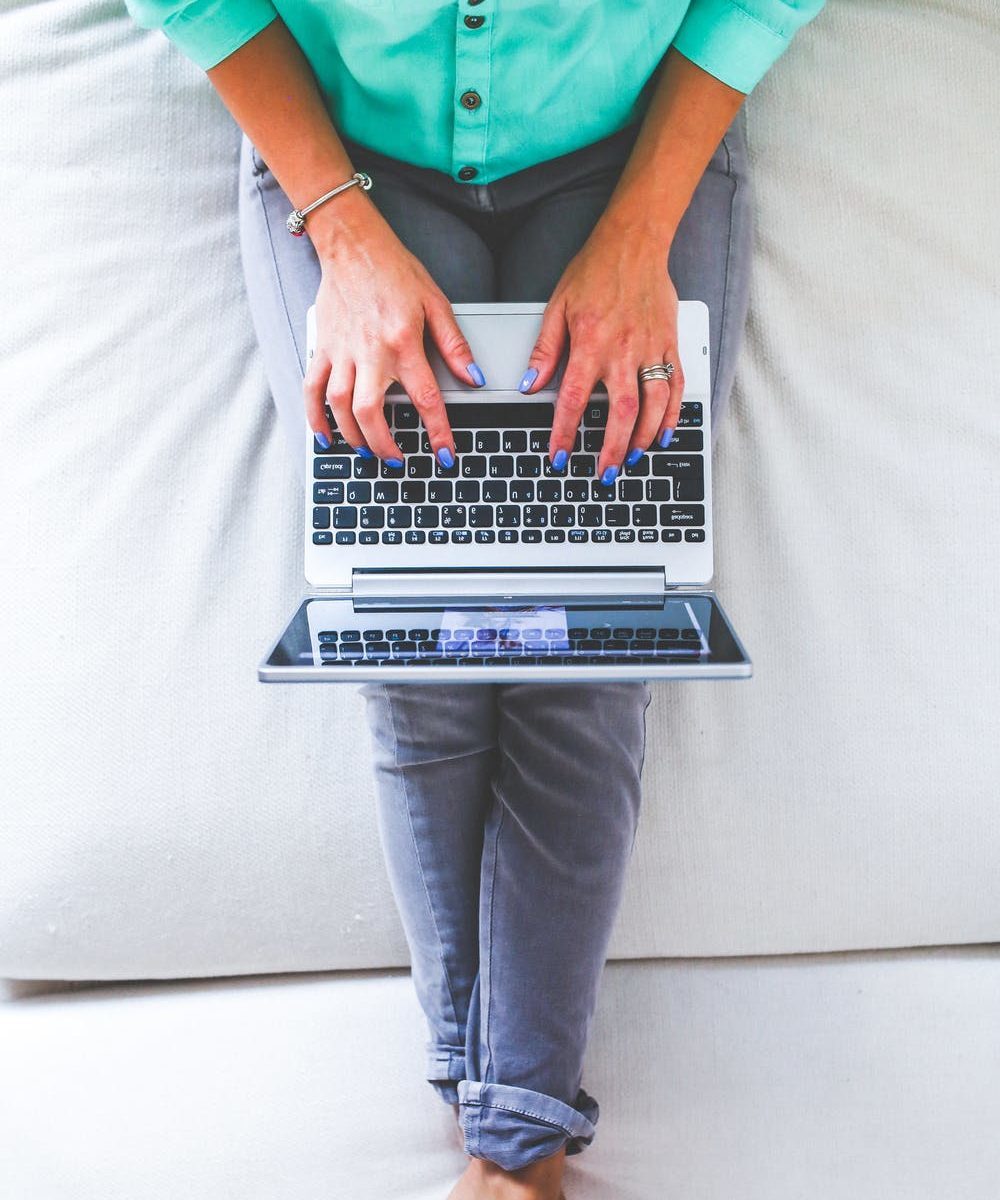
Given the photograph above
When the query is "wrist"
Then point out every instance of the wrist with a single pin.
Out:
(639, 216)
(341, 222)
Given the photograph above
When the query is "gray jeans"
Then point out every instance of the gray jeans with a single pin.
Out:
(507, 812)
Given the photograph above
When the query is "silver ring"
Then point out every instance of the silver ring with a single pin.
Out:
(657, 371)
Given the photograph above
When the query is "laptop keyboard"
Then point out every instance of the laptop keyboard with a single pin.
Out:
(472, 646)
(502, 489)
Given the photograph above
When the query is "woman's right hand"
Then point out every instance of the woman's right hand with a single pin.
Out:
(374, 300)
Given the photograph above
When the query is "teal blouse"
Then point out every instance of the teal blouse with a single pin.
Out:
(481, 88)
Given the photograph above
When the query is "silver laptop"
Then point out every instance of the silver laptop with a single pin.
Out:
(498, 568)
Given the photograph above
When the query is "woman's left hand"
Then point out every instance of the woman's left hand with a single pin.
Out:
(618, 305)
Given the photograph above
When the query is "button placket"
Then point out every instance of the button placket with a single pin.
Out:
(472, 90)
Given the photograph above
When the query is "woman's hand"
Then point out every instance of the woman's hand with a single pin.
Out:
(374, 300)
(618, 305)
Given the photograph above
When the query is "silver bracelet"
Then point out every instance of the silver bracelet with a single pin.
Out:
(296, 218)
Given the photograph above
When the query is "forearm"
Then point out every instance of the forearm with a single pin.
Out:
(689, 112)
(268, 86)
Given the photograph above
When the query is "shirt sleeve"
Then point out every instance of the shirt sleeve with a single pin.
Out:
(738, 41)
(207, 31)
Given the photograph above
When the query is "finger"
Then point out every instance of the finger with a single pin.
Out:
(575, 390)
(314, 398)
(368, 406)
(451, 342)
(673, 411)
(623, 410)
(544, 357)
(654, 396)
(421, 386)
(339, 395)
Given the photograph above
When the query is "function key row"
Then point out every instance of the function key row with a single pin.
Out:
(680, 487)
(503, 537)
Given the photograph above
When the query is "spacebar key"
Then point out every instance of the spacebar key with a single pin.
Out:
(503, 415)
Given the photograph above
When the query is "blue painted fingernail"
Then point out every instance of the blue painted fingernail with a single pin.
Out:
(665, 440)
(364, 451)
(559, 460)
(445, 457)
(393, 462)
(529, 378)
(475, 374)
(323, 440)
(609, 476)
(633, 457)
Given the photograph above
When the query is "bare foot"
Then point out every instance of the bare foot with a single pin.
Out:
(484, 1180)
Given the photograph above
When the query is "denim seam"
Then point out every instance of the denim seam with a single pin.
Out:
(277, 272)
(489, 960)
(723, 316)
(523, 1112)
(420, 866)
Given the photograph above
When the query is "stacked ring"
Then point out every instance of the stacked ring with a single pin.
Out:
(657, 371)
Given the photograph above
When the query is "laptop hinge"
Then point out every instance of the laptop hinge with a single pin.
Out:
(387, 588)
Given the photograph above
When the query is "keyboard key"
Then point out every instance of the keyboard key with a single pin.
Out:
(562, 515)
(643, 514)
(328, 493)
(487, 441)
(624, 535)
(399, 516)
(617, 515)
(463, 441)
(531, 535)
(345, 517)
(467, 491)
(461, 536)
(453, 516)
(507, 536)
(332, 468)
(657, 490)
(372, 516)
(481, 516)
(630, 489)
(437, 537)
(346, 537)
(419, 466)
(427, 516)
(581, 465)
(387, 472)
(694, 535)
(408, 441)
(599, 492)
(529, 466)
(386, 491)
(535, 514)
(548, 491)
(323, 538)
(485, 536)
(508, 515)
(576, 491)
(439, 492)
(589, 515)
(689, 489)
(368, 537)
(555, 535)
(359, 492)
(405, 416)
(578, 535)
(366, 468)
(538, 440)
(686, 440)
(648, 535)
(392, 537)
(676, 514)
(441, 472)
(415, 537)
(601, 535)
(515, 441)
(670, 535)
(596, 413)
(501, 466)
(321, 518)
(474, 466)
(495, 491)
(522, 491)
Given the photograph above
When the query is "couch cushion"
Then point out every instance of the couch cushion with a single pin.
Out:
(863, 1075)
(166, 815)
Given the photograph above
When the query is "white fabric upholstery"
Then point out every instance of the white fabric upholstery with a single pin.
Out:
(166, 815)
(861, 1075)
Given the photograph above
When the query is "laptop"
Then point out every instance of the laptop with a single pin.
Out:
(499, 569)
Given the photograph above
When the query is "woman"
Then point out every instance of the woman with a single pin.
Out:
(588, 155)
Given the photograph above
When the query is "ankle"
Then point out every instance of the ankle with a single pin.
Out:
(541, 1180)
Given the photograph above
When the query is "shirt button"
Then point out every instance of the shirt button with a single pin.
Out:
(470, 99)
(468, 173)
(474, 22)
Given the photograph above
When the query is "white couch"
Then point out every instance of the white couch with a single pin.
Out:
(804, 989)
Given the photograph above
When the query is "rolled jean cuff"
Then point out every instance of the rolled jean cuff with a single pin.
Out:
(515, 1126)
(445, 1067)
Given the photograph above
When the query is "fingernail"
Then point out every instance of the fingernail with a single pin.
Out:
(559, 460)
(529, 378)
(609, 476)
(445, 457)
(364, 451)
(633, 457)
(393, 462)
(323, 440)
(476, 374)
(665, 440)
